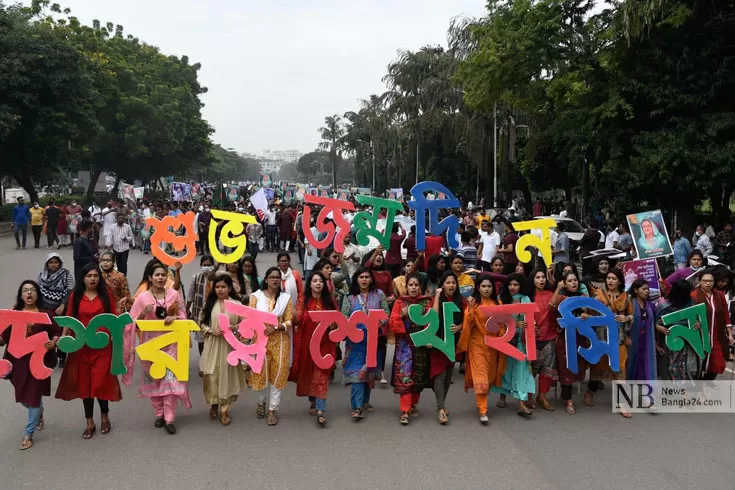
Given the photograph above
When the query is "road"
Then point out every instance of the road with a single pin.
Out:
(594, 448)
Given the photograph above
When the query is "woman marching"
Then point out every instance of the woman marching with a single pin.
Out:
(158, 302)
(278, 349)
(642, 357)
(222, 382)
(30, 391)
(719, 331)
(410, 363)
(312, 381)
(544, 366)
(613, 296)
(87, 374)
(484, 366)
(441, 368)
(518, 379)
(56, 283)
(364, 296)
(684, 364)
(116, 281)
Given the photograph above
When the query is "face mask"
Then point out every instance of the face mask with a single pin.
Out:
(35, 205)
(698, 234)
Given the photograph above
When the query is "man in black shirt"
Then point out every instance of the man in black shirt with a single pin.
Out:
(52, 215)
(590, 241)
(83, 249)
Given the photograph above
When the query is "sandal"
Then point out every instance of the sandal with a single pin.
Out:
(321, 419)
(312, 409)
(88, 433)
(272, 417)
(483, 419)
(501, 403)
(589, 399)
(357, 414)
(414, 412)
(368, 408)
(106, 427)
(545, 404)
(570, 408)
(224, 418)
(213, 412)
(26, 443)
(443, 416)
(626, 415)
(530, 404)
(260, 411)
(404, 418)
(41, 425)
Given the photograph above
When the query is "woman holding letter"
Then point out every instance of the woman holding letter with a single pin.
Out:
(312, 381)
(364, 296)
(717, 317)
(158, 302)
(222, 382)
(30, 391)
(410, 363)
(278, 349)
(86, 373)
(484, 367)
(642, 357)
(545, 364)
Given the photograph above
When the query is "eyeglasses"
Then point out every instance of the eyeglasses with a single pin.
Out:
(28, 290)
(274, 278)
(105, 260)
(283, 261)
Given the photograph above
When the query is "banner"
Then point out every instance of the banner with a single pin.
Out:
(645, 269)
(649, 234)
(260, 203)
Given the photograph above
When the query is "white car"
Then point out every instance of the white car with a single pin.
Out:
(574, 230)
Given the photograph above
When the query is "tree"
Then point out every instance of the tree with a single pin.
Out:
(332, 133)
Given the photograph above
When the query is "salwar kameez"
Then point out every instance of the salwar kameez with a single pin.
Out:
(642, 360)
(601, 371)
(545, 364)
(484, 367)
(410, 363)
(517, 379)
(222, 382)
(717, 317)
(356, 373)
(164, 393)
(274, 374)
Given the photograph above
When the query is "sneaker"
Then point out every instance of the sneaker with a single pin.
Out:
(484, 420)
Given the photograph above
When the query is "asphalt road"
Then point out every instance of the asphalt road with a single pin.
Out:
(593, 449)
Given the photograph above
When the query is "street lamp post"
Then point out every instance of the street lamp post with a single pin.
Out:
(495, 155)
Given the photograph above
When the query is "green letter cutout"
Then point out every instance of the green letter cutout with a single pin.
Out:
(679, 333)
(428, 335)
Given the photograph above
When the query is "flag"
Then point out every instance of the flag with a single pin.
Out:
(260, 203)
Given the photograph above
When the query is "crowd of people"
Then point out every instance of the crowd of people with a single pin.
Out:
(482, 271)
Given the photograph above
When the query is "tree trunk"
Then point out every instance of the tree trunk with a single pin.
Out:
(585, 186)
(93, 182)
(333, 158)
(507, 181)
(719, 196)
(25, 182)
(113, 192)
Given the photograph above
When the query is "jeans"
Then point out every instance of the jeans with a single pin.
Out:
(271, 237)
(51, 235)
(146, 245)
(359, 395)
(37, 235)
(34, 417)
(319, 403)
(300, 252)
(253, 248)
(121, 259)
(21, 228)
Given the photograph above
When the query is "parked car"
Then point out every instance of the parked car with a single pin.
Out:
(573, 229)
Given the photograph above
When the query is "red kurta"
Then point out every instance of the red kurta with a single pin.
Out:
(87, 371)
(310, 380)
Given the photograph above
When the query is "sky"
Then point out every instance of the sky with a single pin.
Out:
(276, 68)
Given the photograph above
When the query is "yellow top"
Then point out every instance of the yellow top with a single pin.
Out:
(36, 216)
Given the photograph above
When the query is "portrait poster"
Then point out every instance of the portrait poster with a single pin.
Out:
(645, 269)
(650, 237)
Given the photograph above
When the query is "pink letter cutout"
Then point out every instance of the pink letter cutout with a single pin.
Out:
(506, 314)
(20, 345)
(253, 324)
(335, 207)
(353, 328)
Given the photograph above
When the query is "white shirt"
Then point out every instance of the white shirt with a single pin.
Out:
(109, 220)
(311, 260)
(270, 217)
(612, 237)
(96, 213)
(119, 237)
(564, 214)
(490, 244)
(353, 265)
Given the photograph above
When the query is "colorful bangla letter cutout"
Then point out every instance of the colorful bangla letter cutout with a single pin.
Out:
(428, 336)
(164, 231)
(574, 325)
(232, 235)
(698, 340)
(542, 243)
(20, 345)
(509, 315)
(366, 223)
(178, 333)
(354, 328)
(96, 338)
(336, 229)
(421, 205)
(252, 325)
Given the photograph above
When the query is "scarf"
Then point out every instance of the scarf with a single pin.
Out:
(278, 309)
(288, 285)
(54, 285)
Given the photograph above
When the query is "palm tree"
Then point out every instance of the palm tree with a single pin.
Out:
(332, 134)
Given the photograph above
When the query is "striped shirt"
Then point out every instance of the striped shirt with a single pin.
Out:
(116, 235)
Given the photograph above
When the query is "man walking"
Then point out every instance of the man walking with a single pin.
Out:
(119, 241)
(36, 223)
(21, 216)
(52, 214)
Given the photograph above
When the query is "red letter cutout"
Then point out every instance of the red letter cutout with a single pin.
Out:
(20, 345)
(505, 314)
(346, 329)
(335, 207)
(253, 324)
